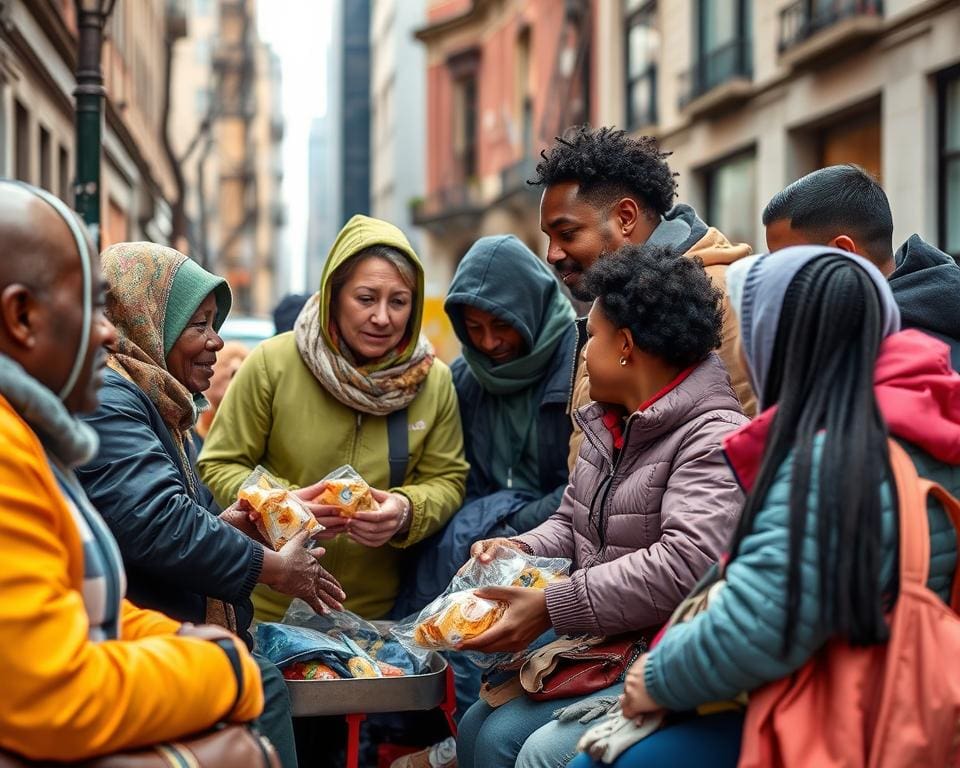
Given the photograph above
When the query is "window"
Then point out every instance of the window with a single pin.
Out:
(731, 191)
(464, 69)
(524, 92)
(723, 42)
(65, 192)
(643, 49)
(949, 192)
(23, 143)
(465, 127)
(45, 160)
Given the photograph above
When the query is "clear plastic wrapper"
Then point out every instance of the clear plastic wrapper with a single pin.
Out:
(282, 514)
(458, 614)
(347, 491)
(393, 659)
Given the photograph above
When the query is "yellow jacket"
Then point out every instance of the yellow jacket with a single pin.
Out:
(66, 697)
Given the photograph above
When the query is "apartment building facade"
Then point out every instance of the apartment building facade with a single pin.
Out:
(227, 130)
(37, 136)
(503, 78)
(749, 95)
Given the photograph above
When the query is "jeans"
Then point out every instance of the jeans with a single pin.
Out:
(521, 733)
(276, 722)
(692, 742)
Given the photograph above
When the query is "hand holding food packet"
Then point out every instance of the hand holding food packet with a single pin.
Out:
(459, 615)
(280, 514)
(347, 491)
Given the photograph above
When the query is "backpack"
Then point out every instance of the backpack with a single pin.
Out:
(894, 704)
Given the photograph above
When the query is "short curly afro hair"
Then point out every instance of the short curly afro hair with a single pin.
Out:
(608, 164)
(668, 302)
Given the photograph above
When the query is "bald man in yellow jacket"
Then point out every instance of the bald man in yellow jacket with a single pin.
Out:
(84, 672)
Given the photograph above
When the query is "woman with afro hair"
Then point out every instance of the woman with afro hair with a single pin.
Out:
(651, 502)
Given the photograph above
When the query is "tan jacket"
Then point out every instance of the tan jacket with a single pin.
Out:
(717, 253)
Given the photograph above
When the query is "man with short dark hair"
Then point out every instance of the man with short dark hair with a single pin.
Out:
(603, 189)
(845, 207)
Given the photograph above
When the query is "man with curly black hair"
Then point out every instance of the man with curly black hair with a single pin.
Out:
(603, 189)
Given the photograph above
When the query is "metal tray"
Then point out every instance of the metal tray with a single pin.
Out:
(368, 695)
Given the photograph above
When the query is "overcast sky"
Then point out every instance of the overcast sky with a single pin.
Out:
(299, 32)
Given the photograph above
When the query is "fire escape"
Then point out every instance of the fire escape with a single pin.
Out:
(234, 73)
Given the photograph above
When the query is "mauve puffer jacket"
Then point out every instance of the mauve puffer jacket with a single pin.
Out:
(642, 530)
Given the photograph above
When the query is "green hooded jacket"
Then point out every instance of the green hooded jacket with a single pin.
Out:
(276, 413)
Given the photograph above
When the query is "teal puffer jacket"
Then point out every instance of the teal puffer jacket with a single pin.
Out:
(736, 644)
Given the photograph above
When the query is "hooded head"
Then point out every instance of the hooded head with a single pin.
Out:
(365, 241)
(502, 277)
(167, 310)
(757, 287)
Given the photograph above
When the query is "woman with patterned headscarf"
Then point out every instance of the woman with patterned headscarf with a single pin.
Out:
(182, 555)
(354, 383)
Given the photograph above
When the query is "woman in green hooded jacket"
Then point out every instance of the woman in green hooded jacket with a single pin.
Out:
(311, 400)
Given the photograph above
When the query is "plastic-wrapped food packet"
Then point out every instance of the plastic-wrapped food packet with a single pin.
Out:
(347, 491)
(454, 618)
(282, 514)
(458, 614)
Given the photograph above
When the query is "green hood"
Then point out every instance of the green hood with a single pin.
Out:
(358, 234)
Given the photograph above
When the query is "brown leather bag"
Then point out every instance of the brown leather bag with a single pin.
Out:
(227, 746)
(589, 666)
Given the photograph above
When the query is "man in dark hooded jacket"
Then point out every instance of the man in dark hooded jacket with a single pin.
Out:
(843, 206)
(513, 383)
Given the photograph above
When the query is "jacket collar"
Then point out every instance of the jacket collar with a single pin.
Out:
(68, 439)
(706, 388)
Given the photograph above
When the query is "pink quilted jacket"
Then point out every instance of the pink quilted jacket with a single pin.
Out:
(642, 530)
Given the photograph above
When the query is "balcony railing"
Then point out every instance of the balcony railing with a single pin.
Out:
(803, 19)
(514, 177)
(722, 65)
(455, 200)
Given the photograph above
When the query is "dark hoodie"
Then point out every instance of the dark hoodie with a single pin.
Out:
(500, 275)
(926, 285)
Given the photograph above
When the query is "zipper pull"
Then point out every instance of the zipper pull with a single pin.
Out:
(509, 477)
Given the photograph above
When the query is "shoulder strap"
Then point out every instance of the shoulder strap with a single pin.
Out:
(398, 446)
(912, 492)
(914, 528)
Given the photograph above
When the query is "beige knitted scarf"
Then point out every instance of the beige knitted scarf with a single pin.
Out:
(378, 389)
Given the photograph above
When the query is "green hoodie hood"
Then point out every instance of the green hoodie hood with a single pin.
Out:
(358, 234)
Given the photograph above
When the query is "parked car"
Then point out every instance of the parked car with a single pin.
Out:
(247, 330)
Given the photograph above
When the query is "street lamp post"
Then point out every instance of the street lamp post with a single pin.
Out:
(91, 17)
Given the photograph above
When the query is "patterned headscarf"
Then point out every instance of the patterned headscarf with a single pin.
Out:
(140, 276)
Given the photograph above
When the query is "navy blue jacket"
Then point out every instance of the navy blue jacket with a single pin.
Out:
(176, 550)
(553, 433)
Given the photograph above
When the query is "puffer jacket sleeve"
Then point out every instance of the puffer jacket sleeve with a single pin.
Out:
(554, 537)
(67, 698)
(736, 644)
(237, 439)
(138, 489)
(698, 512)
(435, 485)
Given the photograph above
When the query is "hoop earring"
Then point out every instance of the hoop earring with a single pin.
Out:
(623, 361)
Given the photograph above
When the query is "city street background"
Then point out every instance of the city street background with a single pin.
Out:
(246, 133)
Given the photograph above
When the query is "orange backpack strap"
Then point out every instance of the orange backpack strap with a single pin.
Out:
(914, 527)
(912, 492)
